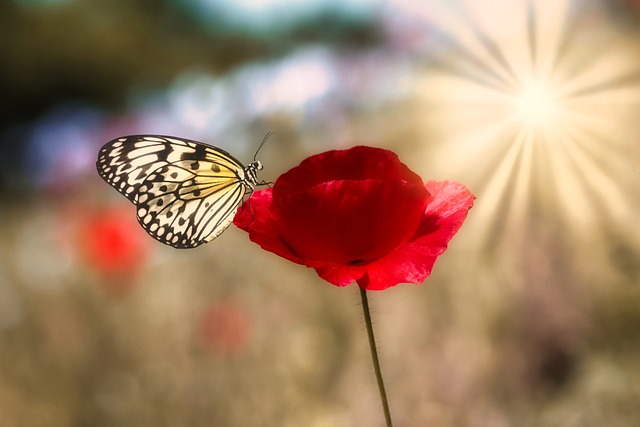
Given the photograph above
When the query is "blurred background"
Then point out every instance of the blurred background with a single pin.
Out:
(532, 316)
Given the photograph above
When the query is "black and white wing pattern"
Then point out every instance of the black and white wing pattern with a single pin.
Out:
(186, 192)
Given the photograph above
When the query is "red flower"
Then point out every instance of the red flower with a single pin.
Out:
(357, 215)
(112, 242)
(225, 327)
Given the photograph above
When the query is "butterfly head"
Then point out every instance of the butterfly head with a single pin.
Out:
(251, 172)
(256, 165)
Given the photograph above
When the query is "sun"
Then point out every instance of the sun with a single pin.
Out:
(537, 104)
(538, 116)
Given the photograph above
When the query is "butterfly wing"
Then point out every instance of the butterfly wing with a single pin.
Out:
(185, 207)
(186, 192)
(126, 162)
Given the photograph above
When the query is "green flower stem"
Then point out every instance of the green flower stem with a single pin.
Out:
(374, 356)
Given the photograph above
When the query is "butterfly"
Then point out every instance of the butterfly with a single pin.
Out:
(186, 192)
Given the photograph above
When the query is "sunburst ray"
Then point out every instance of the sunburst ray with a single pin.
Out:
(537, 115)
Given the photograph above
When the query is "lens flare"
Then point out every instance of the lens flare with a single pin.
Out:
(538, 116)
(537, 104)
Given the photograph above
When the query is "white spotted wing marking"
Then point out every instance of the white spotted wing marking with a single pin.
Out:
(186, 192)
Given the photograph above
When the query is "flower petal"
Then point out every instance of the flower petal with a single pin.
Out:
(351, 222)
(256, 218)
(446, 211)
(357, 163)
(413, 261)
(339, 274)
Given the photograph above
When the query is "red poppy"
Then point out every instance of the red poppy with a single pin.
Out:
(357, 215)
(225, 328)
(112, 242)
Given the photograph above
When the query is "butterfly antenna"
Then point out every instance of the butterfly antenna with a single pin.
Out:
(261, 144)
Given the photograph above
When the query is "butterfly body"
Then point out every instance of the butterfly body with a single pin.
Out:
(186, 192)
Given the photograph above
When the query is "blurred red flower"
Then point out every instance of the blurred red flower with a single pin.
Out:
(112, 242)
(225, 327)
(357, 215)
